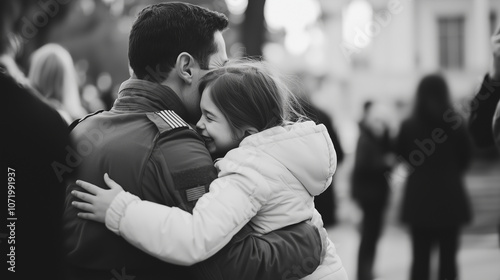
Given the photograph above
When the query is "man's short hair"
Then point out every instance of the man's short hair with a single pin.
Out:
(162, 31)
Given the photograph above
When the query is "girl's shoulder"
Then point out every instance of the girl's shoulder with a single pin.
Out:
(247, 169)
(243, 156)
(284, 132)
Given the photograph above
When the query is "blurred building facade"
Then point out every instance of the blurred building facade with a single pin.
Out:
(410, 38)
(353, 50)
(379, 49)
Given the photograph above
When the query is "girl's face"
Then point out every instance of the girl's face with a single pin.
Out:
(214, 127)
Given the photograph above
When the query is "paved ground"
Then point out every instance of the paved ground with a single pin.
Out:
(479, 256)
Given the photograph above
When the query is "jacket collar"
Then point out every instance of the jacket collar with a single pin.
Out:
(137, 95)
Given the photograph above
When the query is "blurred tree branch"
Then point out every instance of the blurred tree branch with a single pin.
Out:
(36, 19)
(253, 28)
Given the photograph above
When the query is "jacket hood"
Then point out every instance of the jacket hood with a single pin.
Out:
(305, 149)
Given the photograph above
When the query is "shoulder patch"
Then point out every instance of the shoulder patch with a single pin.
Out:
(194, 182)
(76, 122)
(167, 120)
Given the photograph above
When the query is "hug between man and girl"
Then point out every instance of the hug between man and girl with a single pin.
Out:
(276, 161)
(271, 161)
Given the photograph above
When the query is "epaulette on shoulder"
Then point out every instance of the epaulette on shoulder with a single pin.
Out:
(76, 122)
(167, 120)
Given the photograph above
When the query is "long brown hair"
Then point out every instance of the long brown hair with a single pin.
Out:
(250, 94)
(432, 99)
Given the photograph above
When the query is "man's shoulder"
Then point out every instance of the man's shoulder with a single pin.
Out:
(174, 131)
(77, 121)
(167, 121)
(181, 151)
(175, 136)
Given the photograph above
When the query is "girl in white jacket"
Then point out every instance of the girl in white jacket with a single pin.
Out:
(274, 165)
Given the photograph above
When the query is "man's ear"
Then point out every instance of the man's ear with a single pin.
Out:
(184, 67)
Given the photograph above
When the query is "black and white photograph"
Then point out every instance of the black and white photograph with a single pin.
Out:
(250, 139)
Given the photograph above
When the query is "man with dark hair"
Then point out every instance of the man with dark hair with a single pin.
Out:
(159, 49)
(145, 143)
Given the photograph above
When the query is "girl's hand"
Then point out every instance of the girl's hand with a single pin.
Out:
(97, 201)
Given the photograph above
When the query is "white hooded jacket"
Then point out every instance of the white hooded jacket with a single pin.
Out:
(269, 180)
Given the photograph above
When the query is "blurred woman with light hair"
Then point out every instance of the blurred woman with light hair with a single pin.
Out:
(52, 72)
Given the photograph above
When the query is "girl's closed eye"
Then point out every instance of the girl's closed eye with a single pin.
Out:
(209, 118)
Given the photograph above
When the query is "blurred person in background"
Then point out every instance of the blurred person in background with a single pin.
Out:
(484, 120)
(436, 147)
(52, 72)
(36, 139)
(370, 188)
(303, 88)
(325, 203)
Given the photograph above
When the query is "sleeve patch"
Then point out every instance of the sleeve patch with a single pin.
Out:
(194, 177)
(167, 120)
(172, 119)
(193, 194)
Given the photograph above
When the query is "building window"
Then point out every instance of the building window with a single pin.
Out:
(451, 42)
